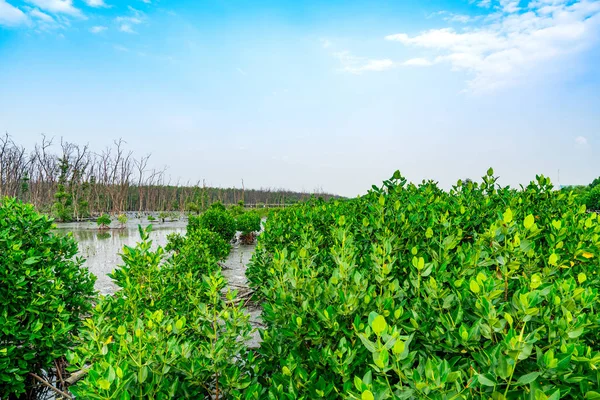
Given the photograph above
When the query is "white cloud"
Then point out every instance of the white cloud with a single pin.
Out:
(126, 28)
(126, 23)
(129, 20)
(57, 7)
(580, 140)
(11, 15)
(96, 3)
(40, 15)
(451, 17)
(484, 3)
(325, 43)
(515, 44)
(119, 47)
(241, 71)
(419, 62)
(98, 29)
(147, 1)
(358, 65)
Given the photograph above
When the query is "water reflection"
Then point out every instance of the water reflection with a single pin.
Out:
(101, 249)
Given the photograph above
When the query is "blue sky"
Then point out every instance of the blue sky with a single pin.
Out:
(307, 95)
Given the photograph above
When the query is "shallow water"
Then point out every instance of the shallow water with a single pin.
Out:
(101, 248)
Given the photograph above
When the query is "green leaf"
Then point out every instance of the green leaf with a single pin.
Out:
(367, 395)
(507, 216)
(536, 281)
(142, 374)
(31, 260)
(103, 384)
(429, 233)
(486, 380)
(379, 325)
(490, 172)
(529, 221)
(398, 347)
(474, 286)
(592, 395)
(527, 379)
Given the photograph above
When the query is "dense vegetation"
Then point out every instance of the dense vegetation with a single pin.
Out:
(167, 333)
(44, 294)
(407, 292)
(588, 195)
(413, 292)
(76, 182)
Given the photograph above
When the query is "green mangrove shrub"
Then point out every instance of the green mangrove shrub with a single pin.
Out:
(44, 293)
(168, 333)
(248, 224)
(211, 241)
(592, 198)
(414, 292)
(103, 221)
(122, 218)
(215, 220)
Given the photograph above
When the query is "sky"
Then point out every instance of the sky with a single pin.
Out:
(312, 95)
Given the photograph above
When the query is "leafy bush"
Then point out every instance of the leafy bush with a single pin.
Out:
(175, 242)
(216, 246)
(192, 207)
(592, 198)
(103, 221)
(122, 218)
(218, 206)
(44, 293)
(151, 218)
(166, 334)
(215, 220)
(248, 224)
(413, 292)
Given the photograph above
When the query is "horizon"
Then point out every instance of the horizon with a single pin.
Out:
(334, 96)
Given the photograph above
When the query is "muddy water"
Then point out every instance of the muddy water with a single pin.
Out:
(234, 270)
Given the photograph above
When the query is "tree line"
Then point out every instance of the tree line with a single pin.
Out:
(72, 182)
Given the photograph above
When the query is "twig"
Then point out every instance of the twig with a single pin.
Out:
(58, 371)
(43, 382)
(77, 375)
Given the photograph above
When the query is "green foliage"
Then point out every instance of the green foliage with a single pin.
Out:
(44, 293)
(413, 292)
(163, 215)
(248, 222)
(218, 206)
(192, 207)
(216, 220)
(236, 210)
(166, 334)
(103, 221)
(592, 198)
(122, 218)
(175, 242)
(151, 218)
(212, 242)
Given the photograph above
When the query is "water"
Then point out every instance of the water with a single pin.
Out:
(101, 248)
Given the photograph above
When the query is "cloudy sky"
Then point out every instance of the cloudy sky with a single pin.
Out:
(308, 94)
